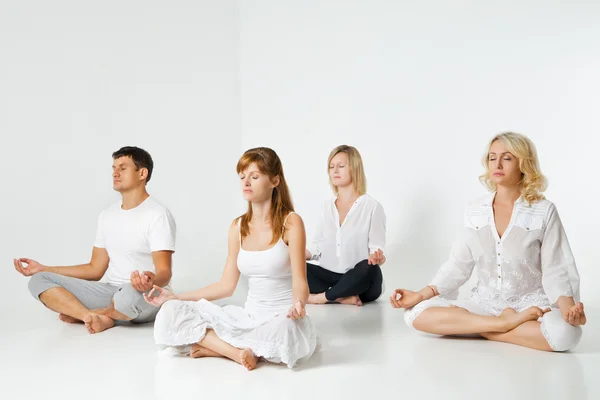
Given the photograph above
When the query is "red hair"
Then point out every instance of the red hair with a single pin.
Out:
(268, 163)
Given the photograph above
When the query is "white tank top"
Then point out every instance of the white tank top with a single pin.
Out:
(269, 275)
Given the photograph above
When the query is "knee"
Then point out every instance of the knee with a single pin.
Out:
(169, 309)
(129, 301)
(411, 314)
(363, 268)
(167, 316)
(560, 335)
(409, 317)
(39, 283)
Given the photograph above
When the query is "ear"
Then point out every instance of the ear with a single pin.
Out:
(276, 181)
(143, 173)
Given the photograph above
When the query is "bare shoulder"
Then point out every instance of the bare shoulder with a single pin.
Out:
(234, 231)
(294, 221)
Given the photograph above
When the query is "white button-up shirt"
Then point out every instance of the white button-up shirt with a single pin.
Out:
(532, 264)
(340, 248)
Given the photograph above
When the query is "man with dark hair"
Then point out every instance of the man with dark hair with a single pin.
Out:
(133, 251)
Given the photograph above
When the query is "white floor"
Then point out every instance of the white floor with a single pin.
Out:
(366, 352)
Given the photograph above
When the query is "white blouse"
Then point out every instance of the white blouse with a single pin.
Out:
(531, 264)
(340, 248)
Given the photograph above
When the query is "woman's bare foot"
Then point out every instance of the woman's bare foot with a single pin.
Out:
(318, 298)
(352, 300)
(68, 319)
(510, 319)
(247, 359)
(96, 323)
(198, 351)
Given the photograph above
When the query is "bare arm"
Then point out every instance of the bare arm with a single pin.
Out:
(402, 298)
(296, 238)
(163, 260)
(92, 271)
(229, 280)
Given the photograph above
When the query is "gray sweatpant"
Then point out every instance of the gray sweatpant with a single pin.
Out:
(93, 295)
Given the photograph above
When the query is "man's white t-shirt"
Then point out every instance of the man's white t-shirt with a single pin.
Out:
(130, 237)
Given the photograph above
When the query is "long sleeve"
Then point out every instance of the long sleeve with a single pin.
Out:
(316, 246)
(559, 272)
(456, 271)
(377, 230)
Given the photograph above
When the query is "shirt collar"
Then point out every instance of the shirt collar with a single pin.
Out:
(357, 201)
(489, 200)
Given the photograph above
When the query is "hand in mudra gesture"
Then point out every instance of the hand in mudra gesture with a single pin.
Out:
(297, 311)
(163, 295)
(402, 298)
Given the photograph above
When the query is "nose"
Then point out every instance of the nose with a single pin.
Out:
(499, 166)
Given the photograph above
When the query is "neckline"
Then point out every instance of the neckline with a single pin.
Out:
(510, 222)
(134, 208)
(337, 213)
(262, 251)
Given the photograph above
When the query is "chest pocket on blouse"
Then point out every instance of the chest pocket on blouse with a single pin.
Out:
(477, 222)
(474, 224)
(530, 222)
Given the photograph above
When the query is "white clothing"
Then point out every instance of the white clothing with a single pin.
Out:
(531, 265)
(262, 325)
(559, 334)
(340, 248)
(131, 236)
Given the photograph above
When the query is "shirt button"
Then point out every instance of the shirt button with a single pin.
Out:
(498, 264)
(476, 227)
(498, 242)
(527, 228)
(498, 253)
(499, 277)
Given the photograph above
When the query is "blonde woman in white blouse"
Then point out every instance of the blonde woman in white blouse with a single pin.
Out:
(350, 237)
(528, 285)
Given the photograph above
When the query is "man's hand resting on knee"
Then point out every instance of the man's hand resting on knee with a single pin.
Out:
(33, 267)
(142, 282)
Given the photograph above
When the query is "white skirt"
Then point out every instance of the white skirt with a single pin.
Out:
(270, 335)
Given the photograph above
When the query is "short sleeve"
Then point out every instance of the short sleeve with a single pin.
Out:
(100, 241)
(162, 233)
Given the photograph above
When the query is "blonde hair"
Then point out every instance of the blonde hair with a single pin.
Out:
(357, 172)
(533, 182)
(267, 162)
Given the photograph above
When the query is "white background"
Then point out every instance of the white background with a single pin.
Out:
(418, 88)
(81, 79)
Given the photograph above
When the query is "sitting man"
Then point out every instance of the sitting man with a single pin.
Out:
(133, 251)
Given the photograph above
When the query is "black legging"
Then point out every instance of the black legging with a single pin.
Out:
(363, 280)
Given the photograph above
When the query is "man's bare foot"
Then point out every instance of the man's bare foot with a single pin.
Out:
(510, 319)
(247, 359)
(318, 298)
(198, 351)
(68, 319)
(96, 323)
(352, 300)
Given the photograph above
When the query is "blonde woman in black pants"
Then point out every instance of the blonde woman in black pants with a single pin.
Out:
(350, 238)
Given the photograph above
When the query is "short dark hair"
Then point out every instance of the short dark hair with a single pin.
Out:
(141, 158)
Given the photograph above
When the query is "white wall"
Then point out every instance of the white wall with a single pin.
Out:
(78, 80)
(419, 88)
